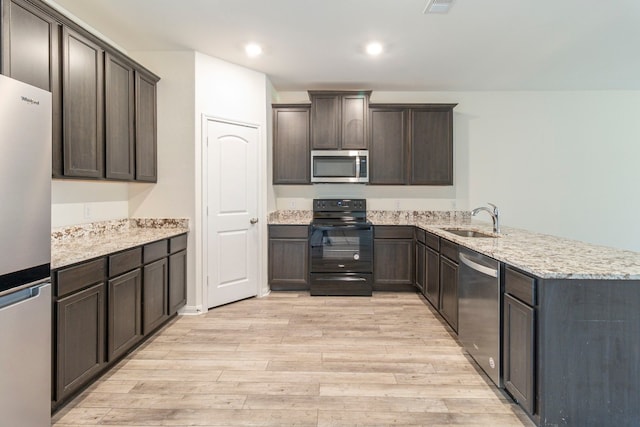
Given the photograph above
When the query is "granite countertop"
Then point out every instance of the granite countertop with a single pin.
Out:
(73, 244)
(543, 255)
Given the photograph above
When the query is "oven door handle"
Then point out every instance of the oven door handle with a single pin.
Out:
(340, 279)
(338, 227)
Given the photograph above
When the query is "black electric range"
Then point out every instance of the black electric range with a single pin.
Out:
(341, 246)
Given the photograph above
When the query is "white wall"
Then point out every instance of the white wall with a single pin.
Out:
(78, 202)
(174, 193)
(227, 91)
(562, 163)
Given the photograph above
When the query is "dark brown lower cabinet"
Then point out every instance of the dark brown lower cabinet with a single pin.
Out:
(105, 307)
(394, 259)
(155, 305)
(518, 341)
(289, 257)
(449, 291)
(177, 281)
(124, 313)
(80, 326)
(421, 266)
(432, 277)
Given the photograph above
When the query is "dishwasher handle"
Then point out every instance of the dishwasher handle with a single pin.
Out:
(478, 267)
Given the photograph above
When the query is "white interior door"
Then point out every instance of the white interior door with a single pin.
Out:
(231, 212)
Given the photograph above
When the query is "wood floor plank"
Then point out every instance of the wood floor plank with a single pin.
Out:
(211, 417)
(290, 359)
(248, 388)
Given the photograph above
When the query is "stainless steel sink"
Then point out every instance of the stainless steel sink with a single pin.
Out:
(463, 232)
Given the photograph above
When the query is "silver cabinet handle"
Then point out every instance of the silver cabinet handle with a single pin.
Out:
(253, 220)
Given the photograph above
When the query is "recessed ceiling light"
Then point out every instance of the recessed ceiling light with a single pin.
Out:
(438, 6)
(253, 50)
(374, 49)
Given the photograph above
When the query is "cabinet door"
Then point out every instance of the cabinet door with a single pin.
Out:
(31, 54)
(124, 313)
(518, 345)
(431, 147)
(388, 147)
(79, 339)
(119, 115)
(154, 295)
(177, 281)
(449, 292)
(432, 277)
(291, 160)
(146, 128)
(288, 264)
(325, 122)
(83, 87)
(355, 109)
(393, 265)
(421, 267)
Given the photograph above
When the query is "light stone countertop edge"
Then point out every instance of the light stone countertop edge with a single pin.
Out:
(75, 250)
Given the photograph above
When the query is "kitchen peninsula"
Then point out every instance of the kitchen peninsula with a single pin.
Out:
(579, 331)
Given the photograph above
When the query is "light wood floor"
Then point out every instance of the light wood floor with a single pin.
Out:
(291, 359)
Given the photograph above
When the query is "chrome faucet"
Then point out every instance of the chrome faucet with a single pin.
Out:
(495, 215)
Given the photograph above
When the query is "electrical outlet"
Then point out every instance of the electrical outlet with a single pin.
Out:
(292, 204)
(87, 211)
(397, 204)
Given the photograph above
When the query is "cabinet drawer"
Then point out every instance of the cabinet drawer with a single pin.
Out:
(288, 231)
(177, 243)
(154, 251)
(75, 278)
(420, 235)
(449, 249)
(125, 261)
(432, 241)
(520, 286)
(393, 232)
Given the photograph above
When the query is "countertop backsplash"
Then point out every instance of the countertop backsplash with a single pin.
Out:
(379, 217)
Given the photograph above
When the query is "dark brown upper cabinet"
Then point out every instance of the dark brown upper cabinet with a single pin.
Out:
(431, 145)
(119, 118)
(104, 103)
(339, 120)
(291, 161)
(146, 127)
(83, 113)
(388, 150)
(411, 144)
(31, 54)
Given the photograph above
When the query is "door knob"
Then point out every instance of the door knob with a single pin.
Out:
(253, 220)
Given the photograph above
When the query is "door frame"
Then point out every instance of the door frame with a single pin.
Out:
(204, 181)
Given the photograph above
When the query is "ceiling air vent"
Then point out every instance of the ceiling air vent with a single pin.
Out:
(438, 6)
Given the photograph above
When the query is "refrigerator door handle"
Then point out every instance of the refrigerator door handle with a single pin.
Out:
(20, 296)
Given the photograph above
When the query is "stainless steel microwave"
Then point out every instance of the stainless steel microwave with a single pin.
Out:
(332, 166)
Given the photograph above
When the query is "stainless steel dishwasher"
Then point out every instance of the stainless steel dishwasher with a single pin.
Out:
(479, 311)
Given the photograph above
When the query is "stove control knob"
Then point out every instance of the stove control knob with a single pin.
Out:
(356, 256)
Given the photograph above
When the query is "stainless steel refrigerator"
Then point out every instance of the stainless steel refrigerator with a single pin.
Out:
(25, 255)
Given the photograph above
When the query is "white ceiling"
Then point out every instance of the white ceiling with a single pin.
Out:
(319, 44)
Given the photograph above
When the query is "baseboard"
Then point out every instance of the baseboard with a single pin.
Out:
(191, 310)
